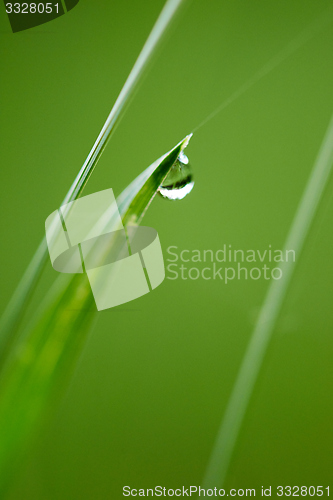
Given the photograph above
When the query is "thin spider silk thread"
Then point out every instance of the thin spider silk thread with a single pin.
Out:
(307, 34)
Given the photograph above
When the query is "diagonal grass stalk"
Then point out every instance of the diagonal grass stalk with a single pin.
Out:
(236, 409)
(38, 366)
(14, 311)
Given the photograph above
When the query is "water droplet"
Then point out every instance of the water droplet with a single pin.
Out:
(179, 182)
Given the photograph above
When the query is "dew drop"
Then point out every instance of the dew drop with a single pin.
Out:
(179, 182)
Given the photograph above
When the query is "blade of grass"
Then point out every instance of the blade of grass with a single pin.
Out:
(234, 415)
(44, 355)
(15, 309)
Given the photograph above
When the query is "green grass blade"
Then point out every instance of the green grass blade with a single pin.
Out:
(264, 328)
(42, 358)
(13, 313)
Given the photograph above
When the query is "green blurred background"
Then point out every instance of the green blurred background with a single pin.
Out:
(152, 384)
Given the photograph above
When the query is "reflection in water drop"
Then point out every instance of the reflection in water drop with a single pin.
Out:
(179, 181)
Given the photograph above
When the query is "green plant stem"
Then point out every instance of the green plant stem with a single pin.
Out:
(264, 328)
(38, 366)
(15, 309)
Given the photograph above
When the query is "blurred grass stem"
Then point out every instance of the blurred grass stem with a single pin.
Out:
(14, 311)
(247, 376)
